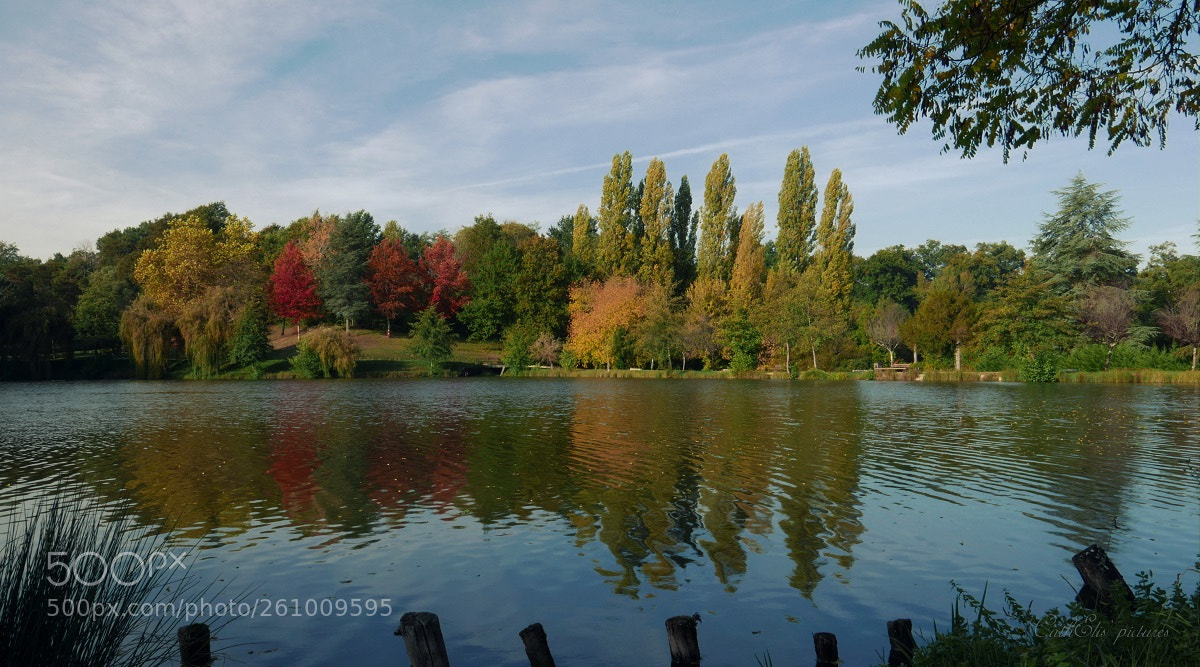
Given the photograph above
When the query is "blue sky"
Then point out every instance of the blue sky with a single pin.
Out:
(430, 113)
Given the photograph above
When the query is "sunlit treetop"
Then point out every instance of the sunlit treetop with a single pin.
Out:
(1013, 72)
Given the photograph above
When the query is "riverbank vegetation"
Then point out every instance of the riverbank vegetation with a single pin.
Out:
(1160, 627)
(67, 566)
(648, 282)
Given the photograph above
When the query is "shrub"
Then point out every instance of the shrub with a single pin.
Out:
(517, 342)
(325, 352)
(1042, 368)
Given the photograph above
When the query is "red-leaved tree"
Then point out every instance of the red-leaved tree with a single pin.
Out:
(448, 282)
(293, 288)
(397, 285)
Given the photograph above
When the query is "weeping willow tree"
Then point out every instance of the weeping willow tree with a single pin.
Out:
(334, 349)
(207, 327)
(147, 330)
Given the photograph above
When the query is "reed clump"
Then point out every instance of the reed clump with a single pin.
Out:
(81, 587)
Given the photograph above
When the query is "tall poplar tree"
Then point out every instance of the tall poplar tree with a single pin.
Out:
(657, 265)
(715, 258)
(583, 239)
(797, 211)
(749, 266)
(615, 219)
(835, 242)
(683, 235)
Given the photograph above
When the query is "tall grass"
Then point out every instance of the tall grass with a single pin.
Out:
(35, 628)
(1161, 627)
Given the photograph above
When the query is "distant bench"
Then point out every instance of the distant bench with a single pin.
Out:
(893, 367)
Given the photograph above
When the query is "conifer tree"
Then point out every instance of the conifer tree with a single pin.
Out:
(683, 235)
(797, 211)
(1078, 241)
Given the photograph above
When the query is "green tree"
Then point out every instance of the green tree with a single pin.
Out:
(97, 313)
(583, 239)
(341, 274)
(1027, 316)
(717, 243)
(539, 289)
(945, 320)
(657, 206)
(1078, 241)
(433, 340)
(616, 219)
(743, 342)
(250, 343)
(797, 211)
(491, 308)
(518, 341)
(1014, 73)
(933, 256)
(835, 243)
(889, 274)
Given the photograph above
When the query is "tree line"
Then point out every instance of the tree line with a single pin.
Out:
(649, 280)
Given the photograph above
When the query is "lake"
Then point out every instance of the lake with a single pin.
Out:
(601, 507)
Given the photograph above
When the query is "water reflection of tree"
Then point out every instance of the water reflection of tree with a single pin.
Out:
(637, 483)
(819, 471)
(187, 470)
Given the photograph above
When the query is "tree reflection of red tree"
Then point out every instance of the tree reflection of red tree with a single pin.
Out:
(293, 462)
(411, 469)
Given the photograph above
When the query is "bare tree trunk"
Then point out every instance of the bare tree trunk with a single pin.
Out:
(957, 356)
(891, 356)
(684, 367)
(915, 360)
(297, 330)
(814, 349)
(1108, 357)
(788, 358)
(389, 327)
(1194, 348)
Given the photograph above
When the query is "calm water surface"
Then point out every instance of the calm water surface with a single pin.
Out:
(601, 507)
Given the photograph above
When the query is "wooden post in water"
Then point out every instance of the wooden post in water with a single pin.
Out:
(900, 638)
(423, 641)
(827, 652)
(1100, 579)
(681, 637)
(537, 649)
(195, 645)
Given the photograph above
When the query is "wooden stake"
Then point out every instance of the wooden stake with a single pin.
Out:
(423, 641)
(681, 637)
(827, 652)
(900, 638)
(537, 649)
(1100, 579)
(195, 645)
